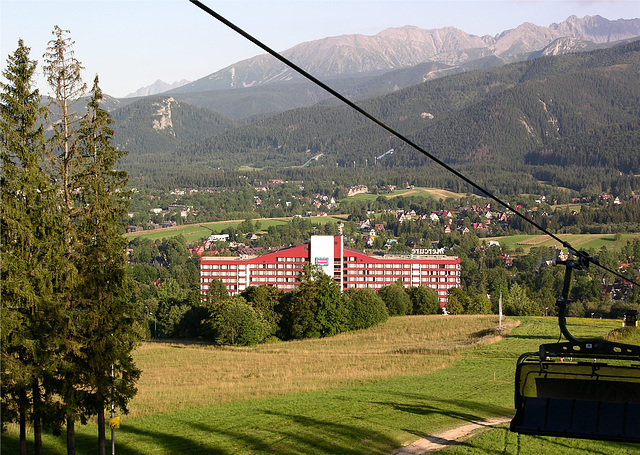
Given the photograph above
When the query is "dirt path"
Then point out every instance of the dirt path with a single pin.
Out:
(436, 442)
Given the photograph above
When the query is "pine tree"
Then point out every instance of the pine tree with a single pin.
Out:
(31, 264)
(110, 329)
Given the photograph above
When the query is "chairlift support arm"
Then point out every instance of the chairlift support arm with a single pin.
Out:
(596, 349)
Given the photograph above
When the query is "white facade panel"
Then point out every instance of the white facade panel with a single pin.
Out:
(321, 253)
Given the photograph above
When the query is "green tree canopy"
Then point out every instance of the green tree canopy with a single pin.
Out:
(424, 300)
(396, 299)
(364, 308)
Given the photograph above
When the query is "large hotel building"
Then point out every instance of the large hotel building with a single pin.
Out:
(349, 267)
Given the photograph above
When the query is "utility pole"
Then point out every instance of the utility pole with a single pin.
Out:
(500, 310)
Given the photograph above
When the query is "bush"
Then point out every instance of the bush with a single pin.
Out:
(191, 324)
(364, 308)
(238, 324)
(424, 300)
(396, 299)
(454, 306)
(478, 304)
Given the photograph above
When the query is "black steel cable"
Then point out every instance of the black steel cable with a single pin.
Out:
(400, 136)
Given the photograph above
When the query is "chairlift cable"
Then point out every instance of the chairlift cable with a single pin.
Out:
(406, 140)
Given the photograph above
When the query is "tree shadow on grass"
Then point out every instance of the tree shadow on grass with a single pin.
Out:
(464, 411)
(85, 444)
(474, 407)
(172, 443)
(550, 339)
(298, 434)
(541, 444)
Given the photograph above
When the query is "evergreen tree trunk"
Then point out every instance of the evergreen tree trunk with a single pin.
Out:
(37, 417)
(71, 436)
(23, 422)
(102, 447)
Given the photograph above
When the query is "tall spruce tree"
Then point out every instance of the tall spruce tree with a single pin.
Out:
(63, 73)
(110, 329)
(32, 265)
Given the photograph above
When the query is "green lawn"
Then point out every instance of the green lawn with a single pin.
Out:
(370, 417)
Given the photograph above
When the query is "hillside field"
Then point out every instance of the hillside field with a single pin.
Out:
(364, 392)
(578, 241)
(198, 231)
(433, 193)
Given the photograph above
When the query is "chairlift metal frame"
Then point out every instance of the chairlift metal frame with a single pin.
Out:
(585, 398)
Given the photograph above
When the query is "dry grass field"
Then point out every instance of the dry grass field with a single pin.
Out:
(187, 376)
(361, 393)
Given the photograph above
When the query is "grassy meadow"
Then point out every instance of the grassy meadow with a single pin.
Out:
(364, 392)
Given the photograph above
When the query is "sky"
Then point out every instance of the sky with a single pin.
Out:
(130, 44)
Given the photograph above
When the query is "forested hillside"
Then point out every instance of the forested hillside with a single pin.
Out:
(264, 100)
(562, 116)
(159, 125)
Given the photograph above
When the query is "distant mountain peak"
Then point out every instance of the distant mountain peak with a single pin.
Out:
(157, 87)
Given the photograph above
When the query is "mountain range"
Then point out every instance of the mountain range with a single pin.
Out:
(408, 46)
(515, 99)
(494, 115)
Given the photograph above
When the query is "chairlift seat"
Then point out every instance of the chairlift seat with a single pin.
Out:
(577, 399)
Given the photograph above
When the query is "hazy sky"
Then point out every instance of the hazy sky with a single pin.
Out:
(132, 43)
